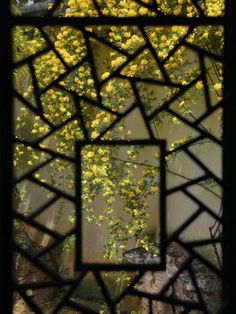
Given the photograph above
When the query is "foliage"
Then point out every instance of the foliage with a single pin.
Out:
(104, 173)
(19, 3)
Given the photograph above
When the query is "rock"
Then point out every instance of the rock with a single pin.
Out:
(152, 282)
(183, 288)
(39, 7)
(140, 256)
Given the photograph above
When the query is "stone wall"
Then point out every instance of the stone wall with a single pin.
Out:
(183, 288)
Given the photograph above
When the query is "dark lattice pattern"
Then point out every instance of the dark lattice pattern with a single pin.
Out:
(53, 279)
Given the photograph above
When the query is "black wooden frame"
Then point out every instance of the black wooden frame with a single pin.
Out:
(161, 144)
(7, 21)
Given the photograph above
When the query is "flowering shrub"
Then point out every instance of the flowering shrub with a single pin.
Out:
(72, 104)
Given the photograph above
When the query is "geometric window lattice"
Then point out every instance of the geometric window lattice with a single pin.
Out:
(93, 87)
(84, 148)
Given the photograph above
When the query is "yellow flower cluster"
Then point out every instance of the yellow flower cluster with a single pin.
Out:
(81, 82)
(48, 67)
(117, 94)
(164, 39)
(81, 8)
(102, 174)
(71, 45)
(28, 41)
(186, 8)
(58, 106)
(124, 8)
(143, 66)
(215, 7)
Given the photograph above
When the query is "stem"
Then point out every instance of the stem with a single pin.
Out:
(199, 184)
(171, 172)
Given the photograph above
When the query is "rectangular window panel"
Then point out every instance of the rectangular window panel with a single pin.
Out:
(117, 168)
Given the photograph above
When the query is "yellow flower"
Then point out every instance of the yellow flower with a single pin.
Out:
(87, 174)
(90, 154)
(105, 75)
(163, 38)
(108, 88)
(176, 120)
(127, 209)
(127, 34)
(218, 87)
(143, 11)
(90, 81)
(134, 68)
(199, 85)
(72, 219)
(100, 152)
(138, 191)
(129, 132)
(154, 189)
(94, 134)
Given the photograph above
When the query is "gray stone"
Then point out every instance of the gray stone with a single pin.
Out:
(183, 288)
(140, 256)
(39, 7)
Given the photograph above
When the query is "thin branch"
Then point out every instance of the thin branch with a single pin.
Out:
(199, 184)
(171, 172)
